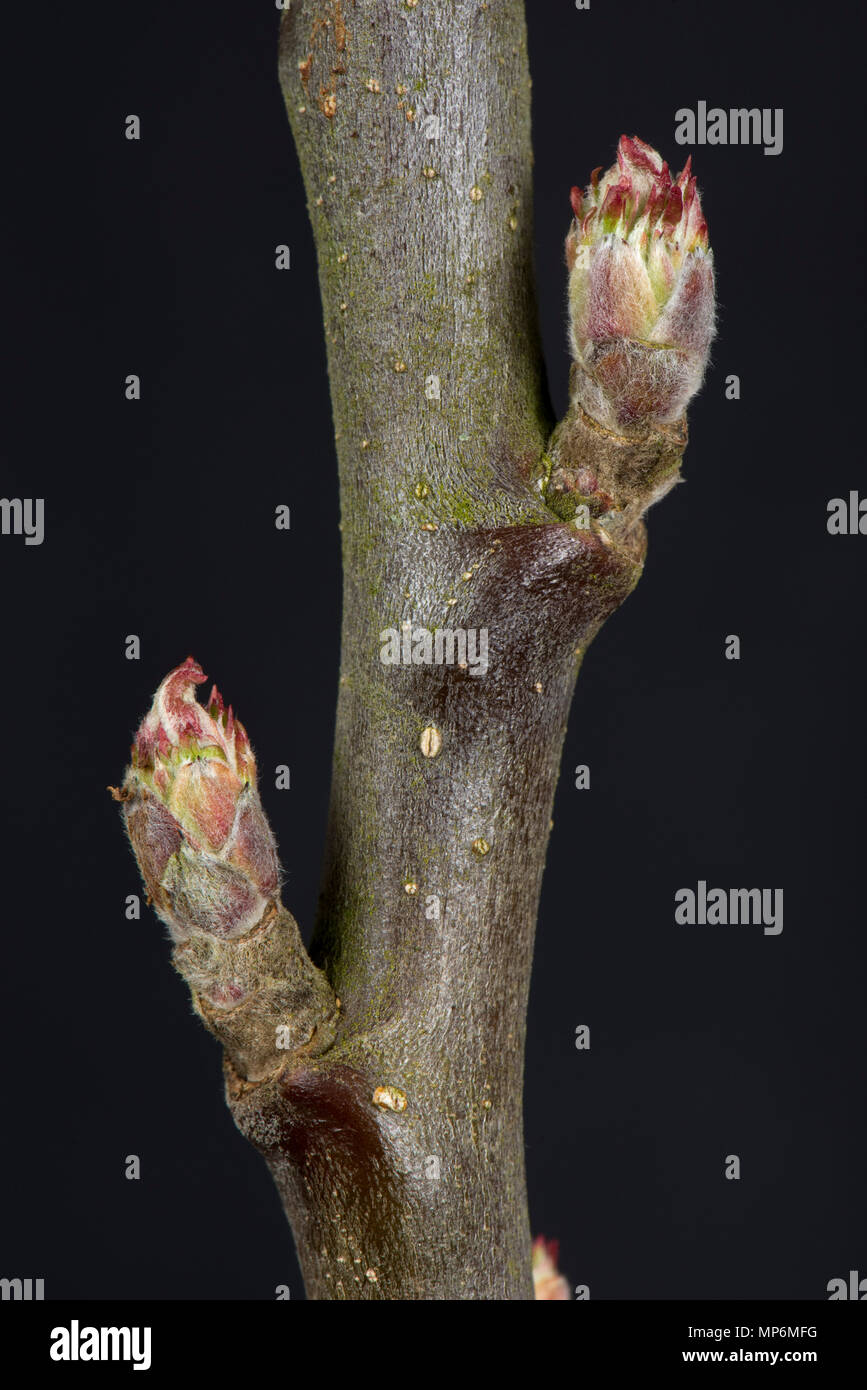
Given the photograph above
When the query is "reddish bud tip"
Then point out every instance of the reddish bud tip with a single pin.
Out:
(548, 1282)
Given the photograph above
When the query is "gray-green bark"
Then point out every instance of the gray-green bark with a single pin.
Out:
(412, 123)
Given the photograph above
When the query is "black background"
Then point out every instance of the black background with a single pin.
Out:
(157, 258)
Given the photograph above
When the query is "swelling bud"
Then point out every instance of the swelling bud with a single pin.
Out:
(193, 815)
(641, 290)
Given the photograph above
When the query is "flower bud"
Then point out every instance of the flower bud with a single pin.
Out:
(193, 815)
(548, 1282)
(641, 289)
